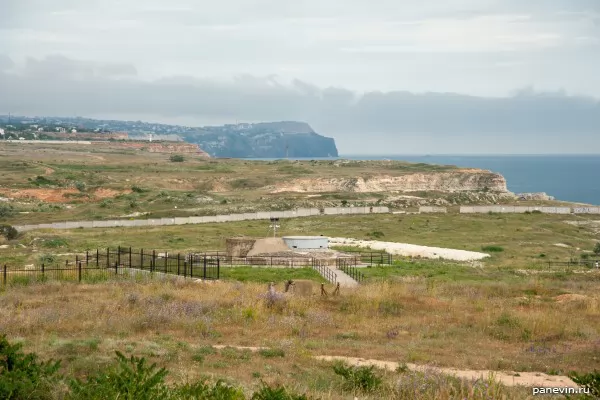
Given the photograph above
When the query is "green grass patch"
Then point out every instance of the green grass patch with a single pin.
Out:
(265, 275)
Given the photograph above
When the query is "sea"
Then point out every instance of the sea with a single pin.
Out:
(573, 178)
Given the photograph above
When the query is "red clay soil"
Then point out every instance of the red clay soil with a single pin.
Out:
(59, 195)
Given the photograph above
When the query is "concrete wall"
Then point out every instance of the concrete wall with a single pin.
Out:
(586, 210)
(301, 212)
(516, 209)
(426, 209)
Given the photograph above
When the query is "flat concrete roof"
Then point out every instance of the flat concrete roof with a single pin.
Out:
(305, 237)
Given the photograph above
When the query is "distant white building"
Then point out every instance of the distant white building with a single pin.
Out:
(73, 130)
(40, 129)
(1, 131)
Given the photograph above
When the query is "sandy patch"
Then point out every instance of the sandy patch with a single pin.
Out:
(410, 250)
(528, 379)
(564, 298)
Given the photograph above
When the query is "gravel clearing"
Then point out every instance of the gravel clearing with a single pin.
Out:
(410, 250)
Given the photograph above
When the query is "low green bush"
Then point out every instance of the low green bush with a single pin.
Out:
(493, 249)
(362, 379)
(22, 376)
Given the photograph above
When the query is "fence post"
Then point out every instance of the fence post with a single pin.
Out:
(108, 257)
(185, 269)
(204, 273)
(218, 268)
(192, 268)
(4, 275)
(87, 258)
(76, 259)
(119, 255)
(153, 262)
(43, 269)
(129, 257)
(142, 259)
(116, 268)
(79, 270)
(166, 261)
(178, 262)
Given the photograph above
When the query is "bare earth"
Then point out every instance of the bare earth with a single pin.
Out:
(410, 250)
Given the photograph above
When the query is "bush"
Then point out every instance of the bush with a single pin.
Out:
(22, 376)
(6, 211)
(597, 249)
(80, 186)
(9, 232)
(358, 378)
(176, 158)
(493, 249)
(130, 379)
(590, 381)
(137, 189)
(276, 393)
(271, 353)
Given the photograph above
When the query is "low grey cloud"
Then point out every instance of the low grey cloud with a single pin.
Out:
(394, 121)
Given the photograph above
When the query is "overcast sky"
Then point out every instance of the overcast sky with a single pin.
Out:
(516, 75)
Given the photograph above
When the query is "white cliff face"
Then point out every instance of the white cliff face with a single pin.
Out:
(453, 181)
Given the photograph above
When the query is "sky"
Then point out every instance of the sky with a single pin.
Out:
(428, 76)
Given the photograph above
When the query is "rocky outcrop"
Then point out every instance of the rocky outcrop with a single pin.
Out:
(541, 196)
(448, 182)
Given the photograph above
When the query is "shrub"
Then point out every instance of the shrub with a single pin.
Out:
(6, 210)
(358, 378)
(80, 186)
(597, 249)
(590, 381)
(204, 391)
(137, 189)
(54, 243)
(22, 376)
(176, 158)
(131, 379)
(493, 249)
(9, 232)
(271, 353)
(276, 393)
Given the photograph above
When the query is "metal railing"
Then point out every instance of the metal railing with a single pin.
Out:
(325, 272)
(353, 272)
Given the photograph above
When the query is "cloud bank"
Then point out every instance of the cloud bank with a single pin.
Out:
(370, 122)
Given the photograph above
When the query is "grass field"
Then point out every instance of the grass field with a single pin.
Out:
(525, 324)
(524, 240)
(512, 311)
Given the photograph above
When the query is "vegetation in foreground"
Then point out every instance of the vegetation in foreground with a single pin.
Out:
(545, 323)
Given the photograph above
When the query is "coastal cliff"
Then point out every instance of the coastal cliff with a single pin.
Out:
(459, 180)
(263, 140)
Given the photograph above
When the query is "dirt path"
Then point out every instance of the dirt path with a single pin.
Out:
(528, 379)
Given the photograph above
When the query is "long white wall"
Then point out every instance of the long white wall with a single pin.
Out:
(301, 212)
(524, 209)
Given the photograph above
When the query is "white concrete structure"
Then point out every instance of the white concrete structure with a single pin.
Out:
(306, 242)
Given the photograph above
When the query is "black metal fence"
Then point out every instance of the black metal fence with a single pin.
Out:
(575, 263)
(371, 257)
(353, 272)
(111, 263)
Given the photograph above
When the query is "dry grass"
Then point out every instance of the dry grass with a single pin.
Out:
(463, 325)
